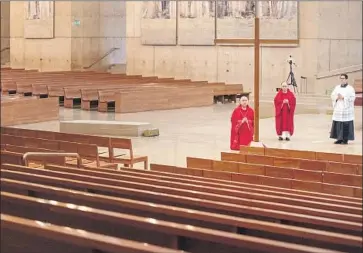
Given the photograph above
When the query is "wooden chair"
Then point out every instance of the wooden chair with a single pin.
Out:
(90, 157)
(127, 160)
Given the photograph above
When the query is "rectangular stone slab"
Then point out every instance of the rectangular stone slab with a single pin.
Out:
(104, 127)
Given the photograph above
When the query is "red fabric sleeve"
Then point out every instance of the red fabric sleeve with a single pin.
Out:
(278, 103)
(292, 106)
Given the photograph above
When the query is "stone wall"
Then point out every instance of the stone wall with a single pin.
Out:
(5, 32)
(330, 43)
(84, 31)
(330, 35)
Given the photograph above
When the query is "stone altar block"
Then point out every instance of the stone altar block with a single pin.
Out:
(104, 127)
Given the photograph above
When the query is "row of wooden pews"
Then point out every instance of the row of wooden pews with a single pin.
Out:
(167, 210)
(54, 205)
(322, 172)
(105, 91)
(95, 151)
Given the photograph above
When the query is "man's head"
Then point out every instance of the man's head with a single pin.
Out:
(343, 78)
(244, 101)
(284, 87)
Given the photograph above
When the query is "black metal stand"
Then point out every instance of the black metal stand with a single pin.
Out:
(292, 82)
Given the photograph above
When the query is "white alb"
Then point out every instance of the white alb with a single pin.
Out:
(343, 109)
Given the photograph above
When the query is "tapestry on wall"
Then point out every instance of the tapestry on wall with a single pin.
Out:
(279, 20)
(158, 23)
(196, 22)
(39, 20)
(235, 19)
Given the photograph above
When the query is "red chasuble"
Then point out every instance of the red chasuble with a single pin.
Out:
(242, 133)
(284, 113)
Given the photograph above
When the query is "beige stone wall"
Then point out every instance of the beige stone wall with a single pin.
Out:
(330, 43)
(5, 32)
(42, 54)
(101, 28)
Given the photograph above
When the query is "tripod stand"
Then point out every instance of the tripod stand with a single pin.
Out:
(291, 76)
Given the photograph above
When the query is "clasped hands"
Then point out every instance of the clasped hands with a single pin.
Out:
(340, 96)
(244, 120)
(285, 101)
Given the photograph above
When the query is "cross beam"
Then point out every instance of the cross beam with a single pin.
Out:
(256, 42)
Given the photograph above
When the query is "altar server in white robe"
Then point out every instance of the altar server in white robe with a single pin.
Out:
(343, 97)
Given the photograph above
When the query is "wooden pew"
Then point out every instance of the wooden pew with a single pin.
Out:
(263, 182)
(275, 171)
(149, 230)
(340, 184)
(182, 215)
(88, 152)
(35, 161)
(106, 143)
(19, 233)
(310, 155)
(291, 162)
(140, 178)
(183, 175)
(164, 99)
(51, 84)
(180, 198)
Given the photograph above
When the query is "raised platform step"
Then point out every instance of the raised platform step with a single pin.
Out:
(103, 127)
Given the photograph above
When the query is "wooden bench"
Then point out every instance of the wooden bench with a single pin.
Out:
(259, 168)
(164, 99)
(207, 201)
(139, 177)
(34, 161)
(149, 230)
(20, 110)
(303, 154)
(195, 176)
(88, 152)
(298, 163)
(16, 157)
(35, 236)
(311, 187)
(182, 215)
(123, 146)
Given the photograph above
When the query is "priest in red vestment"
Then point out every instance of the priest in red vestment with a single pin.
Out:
(242, 128)
(285, 103)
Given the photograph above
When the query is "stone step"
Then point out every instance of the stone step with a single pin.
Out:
(117, 69)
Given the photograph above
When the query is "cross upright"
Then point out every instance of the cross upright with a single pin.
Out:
(257, 42)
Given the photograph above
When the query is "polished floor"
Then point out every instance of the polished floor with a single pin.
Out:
(204, 132)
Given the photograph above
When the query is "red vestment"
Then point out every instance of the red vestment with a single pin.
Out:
(242, 133)
(284, 113)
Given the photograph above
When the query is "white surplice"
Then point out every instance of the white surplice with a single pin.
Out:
(343, 108)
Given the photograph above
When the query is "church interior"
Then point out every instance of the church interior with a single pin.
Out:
(117, 122)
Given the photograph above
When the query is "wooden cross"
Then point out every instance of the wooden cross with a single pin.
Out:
(257, 42)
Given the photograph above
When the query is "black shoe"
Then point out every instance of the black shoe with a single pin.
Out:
(280, 139)
(344, 142)
(288, 139)
(338, 142)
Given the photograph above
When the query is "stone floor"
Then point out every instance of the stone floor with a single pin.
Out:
(204, 132)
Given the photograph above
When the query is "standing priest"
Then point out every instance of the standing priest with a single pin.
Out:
(343, 97)
(285, 103)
